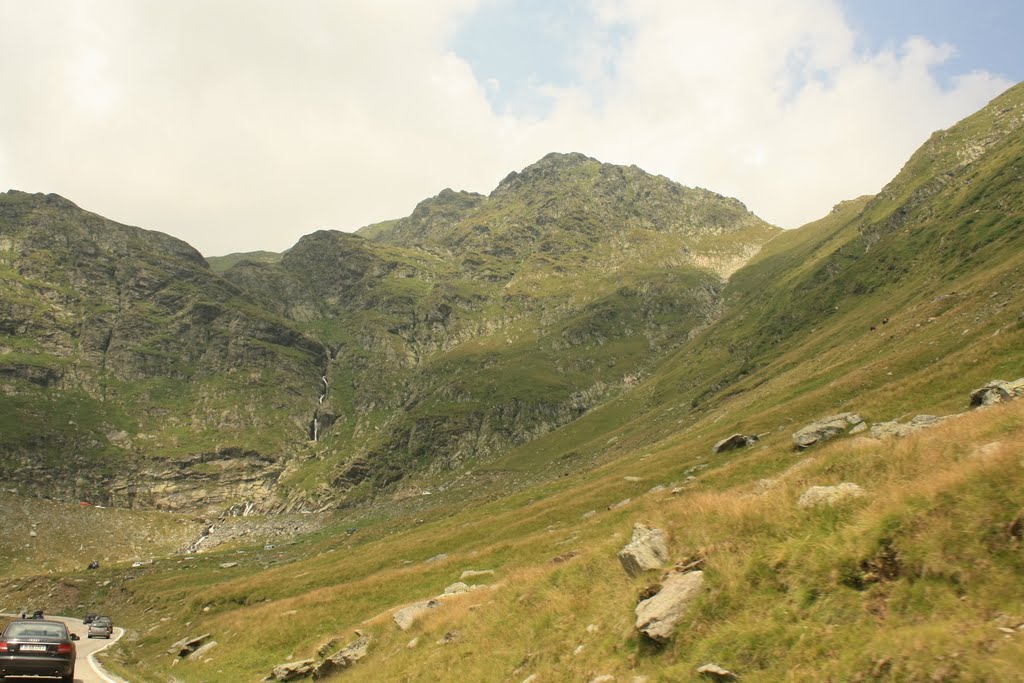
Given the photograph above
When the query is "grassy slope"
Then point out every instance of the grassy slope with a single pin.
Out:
(908, 583)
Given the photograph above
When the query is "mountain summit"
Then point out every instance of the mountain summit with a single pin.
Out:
(426, 344)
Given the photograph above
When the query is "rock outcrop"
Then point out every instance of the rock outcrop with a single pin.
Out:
(896, 429)
(825, 429)
(818, 496)
(997, 391)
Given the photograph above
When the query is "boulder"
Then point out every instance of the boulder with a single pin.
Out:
(731, 443)
(647, 550)
(818, 496)
(292, 670)
(997, 391)
(407, 616)
(825, 429)
(658, 616)
(896, 429)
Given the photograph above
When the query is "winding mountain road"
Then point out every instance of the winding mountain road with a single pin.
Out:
(86, 668)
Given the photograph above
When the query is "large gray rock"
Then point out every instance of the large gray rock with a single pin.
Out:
(658, 616)
(997, 391)
(647, 550)
(825, 429)
(818, 496)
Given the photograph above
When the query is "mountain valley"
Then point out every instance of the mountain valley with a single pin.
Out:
(310, 443)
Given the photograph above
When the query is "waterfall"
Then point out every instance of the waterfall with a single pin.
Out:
(316, 428)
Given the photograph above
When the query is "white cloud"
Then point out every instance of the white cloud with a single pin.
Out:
(243, 124)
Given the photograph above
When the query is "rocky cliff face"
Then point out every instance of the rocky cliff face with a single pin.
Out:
(119, 348)
(137, 376)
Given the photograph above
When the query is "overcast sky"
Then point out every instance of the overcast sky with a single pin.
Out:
(240, 125)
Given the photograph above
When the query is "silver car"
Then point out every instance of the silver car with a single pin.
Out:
(101, 627)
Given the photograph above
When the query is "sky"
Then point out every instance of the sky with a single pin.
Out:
(240, 125)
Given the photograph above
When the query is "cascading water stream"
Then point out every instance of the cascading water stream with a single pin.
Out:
(315, 427)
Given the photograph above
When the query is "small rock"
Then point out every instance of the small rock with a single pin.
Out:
(620, 504)
(633, 479)
(716, 672)
(292, 670)
(658, 488)
(406, 617)
(228, 565)
(1008, 630)
(588, 515)
(413, 643)
(202, 650)
(449, 637)
(187, 646)
(731, 443)
(470, 573)
(858, 428)
(438, 557)
(579, 650)
(593, 628)
(817, 496)
(532, 678)
(606, 678)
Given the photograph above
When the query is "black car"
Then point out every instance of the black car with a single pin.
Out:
(89, 618)
(37, 647)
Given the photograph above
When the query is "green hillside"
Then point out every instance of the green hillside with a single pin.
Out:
(514, 381)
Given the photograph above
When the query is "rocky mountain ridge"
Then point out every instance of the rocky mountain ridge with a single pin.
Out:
(434, 342)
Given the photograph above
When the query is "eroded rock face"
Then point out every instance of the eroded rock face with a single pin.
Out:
(825, 429)
(647, 550)
(658, 616)
(997, 391)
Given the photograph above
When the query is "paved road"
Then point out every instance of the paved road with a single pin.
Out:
(85, 671)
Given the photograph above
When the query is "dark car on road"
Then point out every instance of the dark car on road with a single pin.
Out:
(89, 618)
(37, 647)
(101, 627)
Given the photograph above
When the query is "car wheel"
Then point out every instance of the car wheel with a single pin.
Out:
(70, 678)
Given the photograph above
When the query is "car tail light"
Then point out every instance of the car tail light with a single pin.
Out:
(63, 648)
(3, 646)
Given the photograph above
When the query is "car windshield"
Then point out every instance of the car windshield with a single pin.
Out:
(22, 630)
